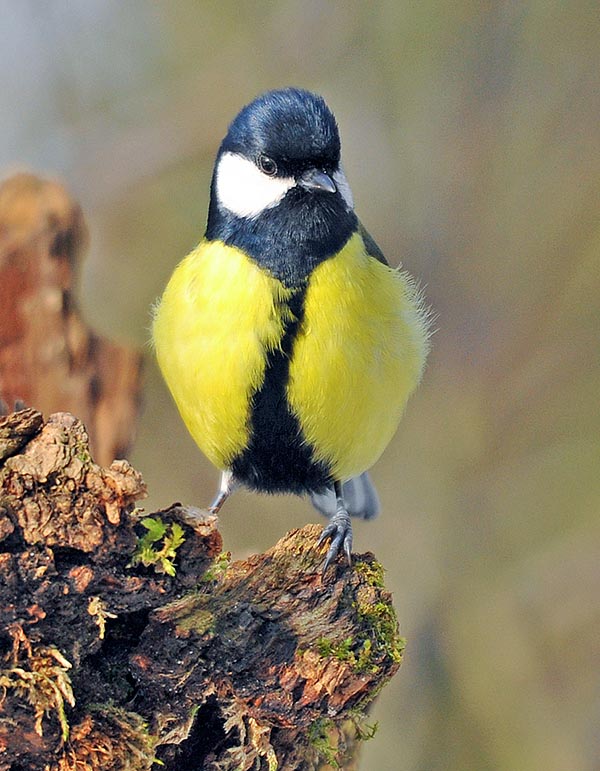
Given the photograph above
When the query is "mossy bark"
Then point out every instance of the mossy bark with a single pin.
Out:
(107, 663)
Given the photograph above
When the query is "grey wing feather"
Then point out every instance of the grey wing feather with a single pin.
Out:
(360, 497)
(372, 249)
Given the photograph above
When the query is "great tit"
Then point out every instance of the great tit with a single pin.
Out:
(288, 343)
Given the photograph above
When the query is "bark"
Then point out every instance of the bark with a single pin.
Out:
(127, 639)
(48, 356)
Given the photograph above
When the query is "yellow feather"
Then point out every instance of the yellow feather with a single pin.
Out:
(359, 355)
(219, 314)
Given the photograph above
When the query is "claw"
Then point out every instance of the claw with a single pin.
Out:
(327, 533)
(348, 548)
(339, 530)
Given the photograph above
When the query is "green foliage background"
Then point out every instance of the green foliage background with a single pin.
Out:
(471, 140)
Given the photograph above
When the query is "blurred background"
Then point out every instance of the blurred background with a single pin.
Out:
(471, 139)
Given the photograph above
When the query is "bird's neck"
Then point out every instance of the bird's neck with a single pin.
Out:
(288, 240)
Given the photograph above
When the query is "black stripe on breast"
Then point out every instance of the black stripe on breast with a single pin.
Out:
(278, 459)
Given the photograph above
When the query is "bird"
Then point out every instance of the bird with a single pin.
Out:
(289, 344)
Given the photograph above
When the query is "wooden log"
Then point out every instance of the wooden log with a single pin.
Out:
(48, 356)
(126, 639)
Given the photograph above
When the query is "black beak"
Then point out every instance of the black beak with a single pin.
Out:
(313, 179)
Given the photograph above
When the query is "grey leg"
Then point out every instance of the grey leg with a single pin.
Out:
(339, 530)
(227, 486)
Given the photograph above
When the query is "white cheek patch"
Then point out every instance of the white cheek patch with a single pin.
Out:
(243, 188)
(342, 185)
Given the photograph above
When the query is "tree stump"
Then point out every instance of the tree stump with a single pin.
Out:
(128, 639)
(48, 356)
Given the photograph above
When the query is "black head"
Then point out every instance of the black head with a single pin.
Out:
(278, 191)
(291, 127)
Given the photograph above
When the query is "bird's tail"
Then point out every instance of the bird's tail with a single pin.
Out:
(360, 497)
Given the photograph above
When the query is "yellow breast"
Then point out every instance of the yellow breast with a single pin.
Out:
(218, 315)
(359, 356)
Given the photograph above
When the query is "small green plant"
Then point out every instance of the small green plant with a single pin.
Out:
(218, 567)
(364, 730)
(158, 546)
(341, 651)
(319, 737)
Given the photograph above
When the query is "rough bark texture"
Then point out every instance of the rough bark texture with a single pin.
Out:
(48, 356)
(126, 639)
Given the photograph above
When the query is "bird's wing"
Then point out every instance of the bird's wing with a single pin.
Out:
(372, 249)
(360, 497)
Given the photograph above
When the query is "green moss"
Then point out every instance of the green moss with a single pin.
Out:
(358, 656)
(201, 621)
(158, 546)
(341, 651)
(382, 623)
(364, 662)
(319, 738)
(218, 568)
(380, 636)
(372, 572)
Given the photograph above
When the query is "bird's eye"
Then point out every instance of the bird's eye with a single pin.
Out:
(267, 165)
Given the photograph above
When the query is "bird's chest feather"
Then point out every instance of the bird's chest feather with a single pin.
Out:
(353, 361)
(358, 358)
(218, 316)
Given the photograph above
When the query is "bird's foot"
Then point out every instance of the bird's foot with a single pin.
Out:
(339, 530)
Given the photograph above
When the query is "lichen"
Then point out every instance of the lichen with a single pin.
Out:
(97, 608)
(109, 737)
(253, 745)
(39, 676)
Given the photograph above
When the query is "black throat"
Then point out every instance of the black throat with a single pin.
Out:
(288, 240)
